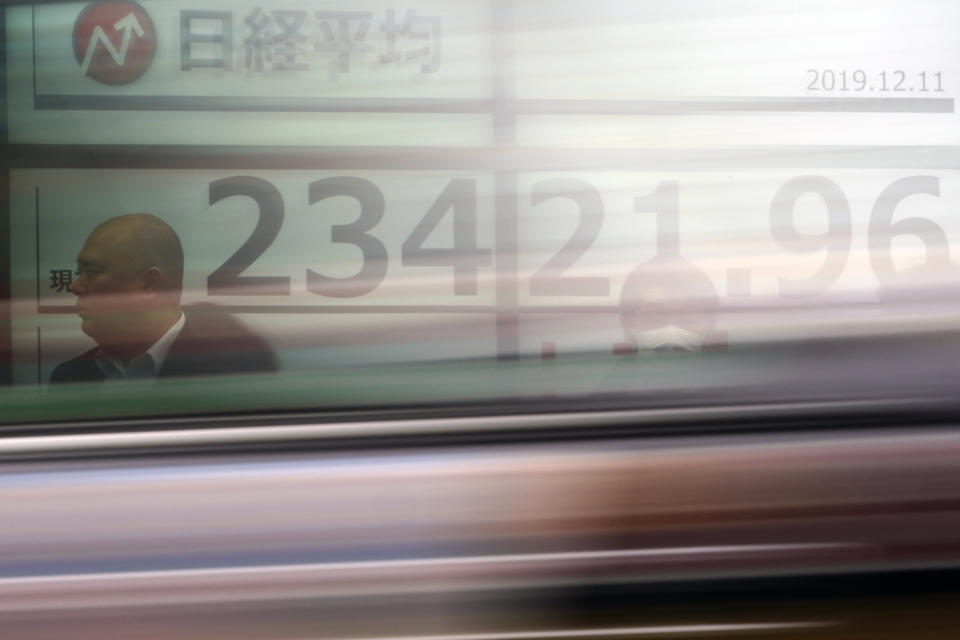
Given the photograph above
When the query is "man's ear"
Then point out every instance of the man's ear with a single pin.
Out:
(152, 280)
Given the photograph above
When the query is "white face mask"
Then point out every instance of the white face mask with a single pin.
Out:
(668, 337)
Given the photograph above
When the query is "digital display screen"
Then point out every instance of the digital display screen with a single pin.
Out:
(372, 182)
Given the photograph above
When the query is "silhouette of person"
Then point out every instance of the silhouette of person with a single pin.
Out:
(668, 305)
(129, 300)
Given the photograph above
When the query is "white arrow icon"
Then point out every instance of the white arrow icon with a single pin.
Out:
(129, 25)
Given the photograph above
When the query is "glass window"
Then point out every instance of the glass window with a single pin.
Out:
(224, 207)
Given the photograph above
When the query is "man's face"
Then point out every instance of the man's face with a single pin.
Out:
(110, 289)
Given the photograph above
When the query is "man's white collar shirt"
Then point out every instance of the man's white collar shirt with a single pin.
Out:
(145, 365)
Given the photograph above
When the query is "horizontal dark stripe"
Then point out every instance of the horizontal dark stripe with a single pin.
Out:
(507, 158)
(803, 104)
(377, 308)
(254, 103)
(734, 105)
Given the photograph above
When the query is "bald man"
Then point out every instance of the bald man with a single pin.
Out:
(128, 298)
(667, 304)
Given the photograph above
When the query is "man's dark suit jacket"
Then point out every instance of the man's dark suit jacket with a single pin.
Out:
(210, 343)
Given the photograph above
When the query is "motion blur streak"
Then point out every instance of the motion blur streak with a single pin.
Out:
(627, 631)
(95, 590)
(100, 442)
(709, 534)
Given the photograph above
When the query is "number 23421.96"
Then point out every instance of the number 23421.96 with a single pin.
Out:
(465, 257)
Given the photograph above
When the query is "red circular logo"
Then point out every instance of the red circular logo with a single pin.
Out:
(114, 42)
